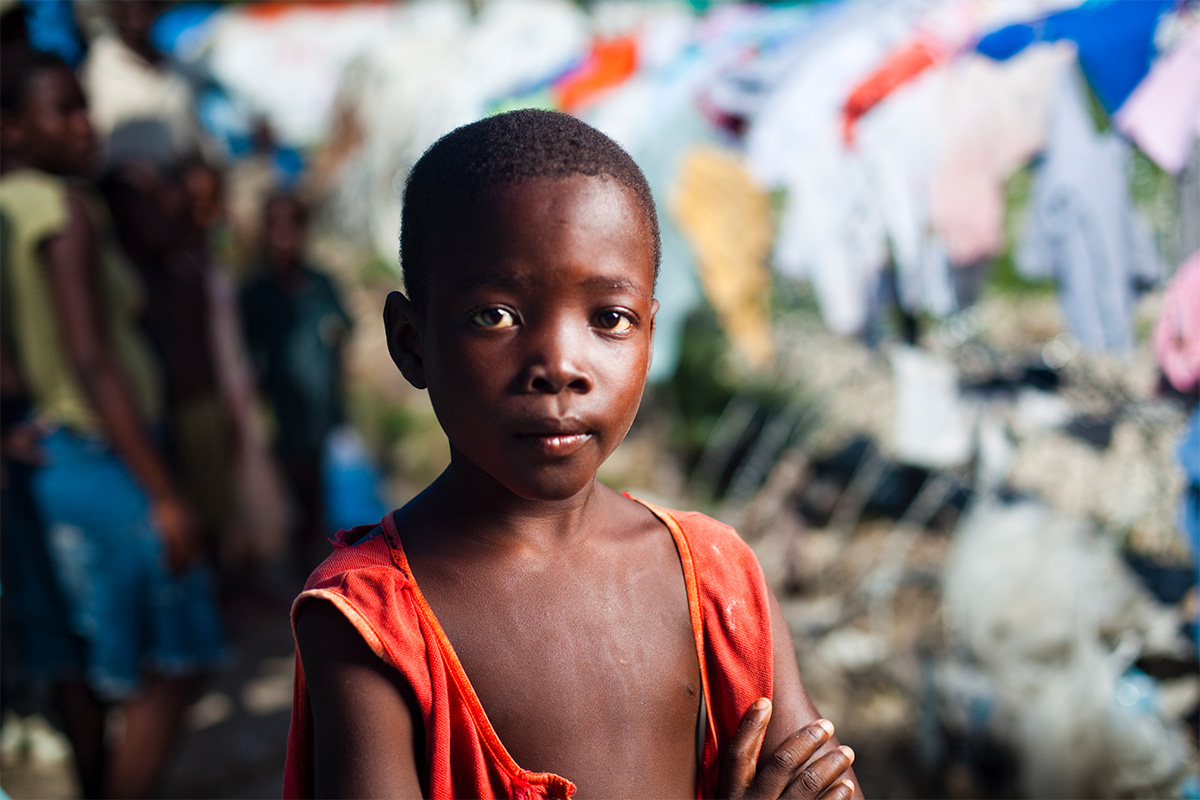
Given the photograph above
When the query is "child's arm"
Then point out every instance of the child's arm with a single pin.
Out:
(76, 291)
(363, 711)
(799, 758)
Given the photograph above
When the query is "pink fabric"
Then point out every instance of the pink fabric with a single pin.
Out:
(1162, 116)
(1177, 332)
(996, 114)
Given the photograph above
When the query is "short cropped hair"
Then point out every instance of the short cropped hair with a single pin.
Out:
(459, 169)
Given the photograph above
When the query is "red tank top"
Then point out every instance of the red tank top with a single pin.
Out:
(367, 577)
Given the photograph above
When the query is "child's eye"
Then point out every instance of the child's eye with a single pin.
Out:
(494, 317)
(613, 321)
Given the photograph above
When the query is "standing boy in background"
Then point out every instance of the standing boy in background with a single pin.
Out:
(295, 329)
(519, 629)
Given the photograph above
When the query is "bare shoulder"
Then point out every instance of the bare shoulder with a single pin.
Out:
(628, 514)
(365, 719)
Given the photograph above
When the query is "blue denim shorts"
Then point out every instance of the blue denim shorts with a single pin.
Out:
(132, 613)
(38, 642)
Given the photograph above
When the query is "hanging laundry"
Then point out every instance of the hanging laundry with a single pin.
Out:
(830, 231)
(1115, 40)
(736, 94)
(994, 121)
(725, 217)
(900, 67)
(1162, 116)
(610, 63)
(1177, 332)
(942, 31)
(897, 149)
(1084, 230)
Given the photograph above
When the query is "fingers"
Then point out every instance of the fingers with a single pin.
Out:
(792, 772)
(823, 778)
(738, 765)
(842, 790)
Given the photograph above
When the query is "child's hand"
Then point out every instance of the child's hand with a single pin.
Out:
(791, 772)
(180, 532)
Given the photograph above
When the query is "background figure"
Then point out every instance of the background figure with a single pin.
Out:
(153, 215)
(123, 539)
(252, 179)
(36, 644)
(295, 328)
(254, 516)
(140, 106)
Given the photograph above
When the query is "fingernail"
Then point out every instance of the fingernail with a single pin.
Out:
(762, 704)
(826, 726)
(849, 785)
(848, 752)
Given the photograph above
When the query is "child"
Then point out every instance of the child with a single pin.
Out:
(123, 540)
(295, 328)
(519, 629)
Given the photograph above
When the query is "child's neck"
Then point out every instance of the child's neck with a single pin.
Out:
(497, 519)
(286, 271)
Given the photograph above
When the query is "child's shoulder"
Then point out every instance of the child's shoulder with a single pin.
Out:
(361, 549)
(718, 552)
(697, 527)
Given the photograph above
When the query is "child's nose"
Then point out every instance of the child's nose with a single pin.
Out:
(556, 364)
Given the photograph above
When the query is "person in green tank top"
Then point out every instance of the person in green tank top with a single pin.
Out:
(123, 541)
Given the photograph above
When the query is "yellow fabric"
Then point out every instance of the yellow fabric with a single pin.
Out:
(725, 217)
(34, 205)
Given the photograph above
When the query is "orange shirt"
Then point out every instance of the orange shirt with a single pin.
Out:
(368, 579)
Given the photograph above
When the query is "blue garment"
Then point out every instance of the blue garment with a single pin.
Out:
(130, 611)
(52, 29)
(1189, 504)
(1189, 507)
(1083, 229)
(39, 644)
(1115, 41)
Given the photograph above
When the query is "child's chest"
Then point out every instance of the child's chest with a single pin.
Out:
(588, 669)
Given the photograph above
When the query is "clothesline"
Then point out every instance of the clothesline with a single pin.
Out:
(888, 131)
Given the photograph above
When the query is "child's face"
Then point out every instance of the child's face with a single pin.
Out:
(52, 130)
(536, 333)
(283, 231)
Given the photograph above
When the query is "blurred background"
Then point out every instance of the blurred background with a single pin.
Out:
(929, 338)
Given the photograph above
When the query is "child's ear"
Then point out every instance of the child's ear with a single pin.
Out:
(401, 322)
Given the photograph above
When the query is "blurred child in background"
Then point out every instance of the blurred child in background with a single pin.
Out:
(125, 542)
(295, 328)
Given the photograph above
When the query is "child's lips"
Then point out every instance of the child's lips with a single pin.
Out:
(555, 445)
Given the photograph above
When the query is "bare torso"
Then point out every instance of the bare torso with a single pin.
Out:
(584, 659)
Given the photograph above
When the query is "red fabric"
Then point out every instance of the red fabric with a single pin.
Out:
(371, 583)
(900, 67)
(610, 63)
